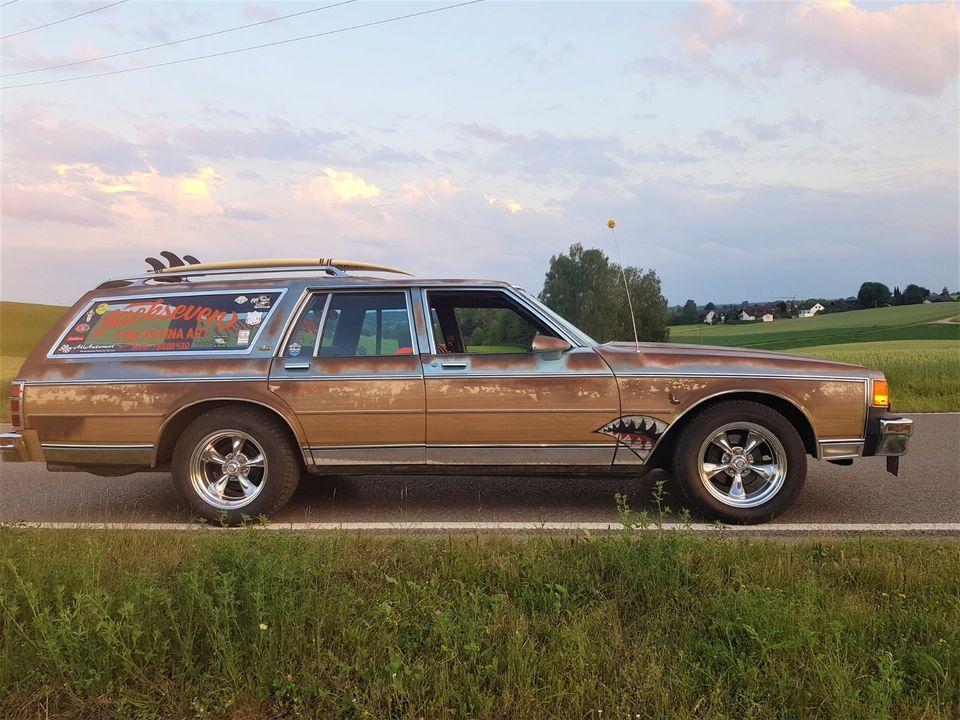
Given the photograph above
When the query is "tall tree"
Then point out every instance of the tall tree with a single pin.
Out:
(689, 314)
(897, 296)
(873, 293)
(587, 289)
(914, 294)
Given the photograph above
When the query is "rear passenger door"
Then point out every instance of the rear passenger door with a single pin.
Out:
(350, 369)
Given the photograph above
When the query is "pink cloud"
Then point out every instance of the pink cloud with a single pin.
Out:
(910, 48)
(54, 207)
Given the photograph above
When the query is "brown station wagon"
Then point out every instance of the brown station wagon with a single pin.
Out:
(239, 377)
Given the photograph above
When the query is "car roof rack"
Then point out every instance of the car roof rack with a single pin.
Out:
(331, 266)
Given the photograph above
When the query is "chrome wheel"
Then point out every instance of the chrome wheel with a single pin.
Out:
(228, 469)
(742, 464)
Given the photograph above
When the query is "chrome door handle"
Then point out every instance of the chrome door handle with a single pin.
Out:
(454, 365)
(296, 366)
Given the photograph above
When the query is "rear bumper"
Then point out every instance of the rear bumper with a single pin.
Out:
(21, 446)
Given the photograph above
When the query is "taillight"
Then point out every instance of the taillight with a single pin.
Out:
(16, 402)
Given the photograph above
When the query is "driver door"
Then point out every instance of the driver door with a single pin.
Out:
(492, 400)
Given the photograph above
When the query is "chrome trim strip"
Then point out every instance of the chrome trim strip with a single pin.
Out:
(360, 412)
(369, 455)
(513, 376)
(607, 445)
(750, 376)
(359, 447)
(595, 455)
(146, 381)
(343, 376)
(171, 353)
(840, 449)
(599, 411)
(92, 446)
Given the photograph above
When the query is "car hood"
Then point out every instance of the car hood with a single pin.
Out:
(694, 360)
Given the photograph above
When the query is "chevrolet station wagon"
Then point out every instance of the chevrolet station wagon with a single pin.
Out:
(240, 376)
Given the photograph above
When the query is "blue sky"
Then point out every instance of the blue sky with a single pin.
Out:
(747, 150)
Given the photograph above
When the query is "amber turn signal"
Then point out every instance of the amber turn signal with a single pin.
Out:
(881, 393)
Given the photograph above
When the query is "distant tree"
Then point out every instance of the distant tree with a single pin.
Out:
(782, 307)
(945, 291)
(897, 296)
(587, 289)
(914, 294)
(709, 306)
(688, 315)
(873, 293)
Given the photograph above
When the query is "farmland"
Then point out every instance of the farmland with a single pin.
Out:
(916, 346)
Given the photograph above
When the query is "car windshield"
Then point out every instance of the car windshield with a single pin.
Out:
(565, 324)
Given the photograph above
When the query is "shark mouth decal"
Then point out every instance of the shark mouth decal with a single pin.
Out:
(638, 432)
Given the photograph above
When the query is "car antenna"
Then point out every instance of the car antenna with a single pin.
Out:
(612, 224)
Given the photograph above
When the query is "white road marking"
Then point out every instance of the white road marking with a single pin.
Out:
(416, 526)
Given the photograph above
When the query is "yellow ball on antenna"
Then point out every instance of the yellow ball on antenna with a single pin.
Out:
(611, 224)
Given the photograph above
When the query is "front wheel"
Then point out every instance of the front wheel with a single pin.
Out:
(740, 462)
(232, 462)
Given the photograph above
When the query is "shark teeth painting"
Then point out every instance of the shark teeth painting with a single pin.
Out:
(638, 432)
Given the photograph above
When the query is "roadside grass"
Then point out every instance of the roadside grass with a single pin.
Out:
(924, 375)
(908, 322)
(261, 624)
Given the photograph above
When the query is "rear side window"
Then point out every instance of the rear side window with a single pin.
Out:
(214, 322)
(367, 324)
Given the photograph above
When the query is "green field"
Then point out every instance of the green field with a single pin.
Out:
(919, 354)
(258, 624)
(907, 322)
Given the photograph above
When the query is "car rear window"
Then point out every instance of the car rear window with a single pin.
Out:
(214, 322)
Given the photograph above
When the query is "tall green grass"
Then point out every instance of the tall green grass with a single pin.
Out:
(924, 375)
(252, 624)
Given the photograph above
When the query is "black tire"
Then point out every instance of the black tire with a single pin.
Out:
(761, 494)
(274, 477)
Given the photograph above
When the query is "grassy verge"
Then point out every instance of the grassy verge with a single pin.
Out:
(924, 375)
(254, 624)
(21, 327)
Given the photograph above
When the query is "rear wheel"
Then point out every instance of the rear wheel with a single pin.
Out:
(740, 462)
(232, 462)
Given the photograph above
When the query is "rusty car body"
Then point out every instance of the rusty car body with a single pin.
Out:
(239, 385)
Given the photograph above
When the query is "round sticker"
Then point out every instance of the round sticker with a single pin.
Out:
(102, 308)
(294, 349)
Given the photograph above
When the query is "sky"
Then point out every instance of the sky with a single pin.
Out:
(748, 151)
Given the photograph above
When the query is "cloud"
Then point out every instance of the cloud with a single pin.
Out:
(544, 153)
(45, 206)
(910, 48)
(719, 140)
(278, 141)
(335, 187)
(30, 132)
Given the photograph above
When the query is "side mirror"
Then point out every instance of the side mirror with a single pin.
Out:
(551, 347)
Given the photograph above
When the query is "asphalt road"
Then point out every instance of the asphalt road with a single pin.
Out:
(927, 491)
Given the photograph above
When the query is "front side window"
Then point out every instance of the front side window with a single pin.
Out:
(371, 324)
(482, 321)
(213, 322)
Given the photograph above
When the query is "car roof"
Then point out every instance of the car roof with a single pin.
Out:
(295, 281)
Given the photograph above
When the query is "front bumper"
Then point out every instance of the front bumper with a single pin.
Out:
(20, 446)
(888, 435)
